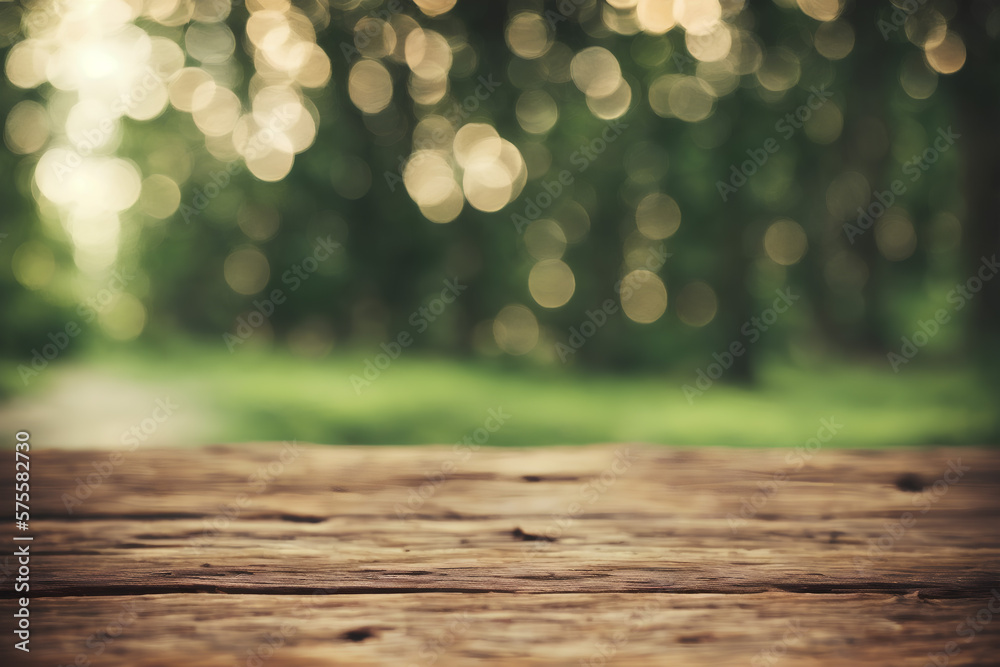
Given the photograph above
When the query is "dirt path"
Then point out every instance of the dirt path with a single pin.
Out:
(87, 408)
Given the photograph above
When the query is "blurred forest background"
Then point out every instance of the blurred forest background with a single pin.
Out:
(368, 221)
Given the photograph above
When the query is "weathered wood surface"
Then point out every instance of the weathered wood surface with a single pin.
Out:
(507, 629)
(513, 556)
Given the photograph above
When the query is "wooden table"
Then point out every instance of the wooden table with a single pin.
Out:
(279, 554)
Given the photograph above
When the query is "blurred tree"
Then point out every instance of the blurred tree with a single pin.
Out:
(539, 152)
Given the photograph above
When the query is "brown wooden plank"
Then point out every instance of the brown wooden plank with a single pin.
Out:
(373, 481)
(593, 554)
(167, 527)
(327, 517)
(504, 629)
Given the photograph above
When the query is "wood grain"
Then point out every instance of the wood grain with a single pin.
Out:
(539, 552)
(507, 629)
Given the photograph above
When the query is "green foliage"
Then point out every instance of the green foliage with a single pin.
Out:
(860, 293)
(421, 400)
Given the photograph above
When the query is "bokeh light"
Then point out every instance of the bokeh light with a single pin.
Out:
(125, 319)
(917, 79)
(545, 239)
(696, 304)
(247, 270)
(947, 56)
(515, 330)
(536, 111)
(160, 196)
(136, 119)
(821, 10)
(834, 40)
(643, 296)
(27, 127)
(551, 283)
(785, 242)
(370, 86)
(895, 236)
(658, 216)
(33, 265)
(259, 222)
(528, 35)
(434, 7)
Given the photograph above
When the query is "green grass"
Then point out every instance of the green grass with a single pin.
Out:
(273, 396)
